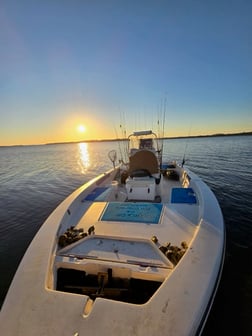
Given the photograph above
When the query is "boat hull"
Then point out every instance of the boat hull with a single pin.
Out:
(179, 306)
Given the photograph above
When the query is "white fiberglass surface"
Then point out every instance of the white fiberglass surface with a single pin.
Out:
(119, 250)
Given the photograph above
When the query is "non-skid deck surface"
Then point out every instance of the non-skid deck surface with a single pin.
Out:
(139, 212)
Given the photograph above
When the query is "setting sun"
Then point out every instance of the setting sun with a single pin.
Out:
(81, 128)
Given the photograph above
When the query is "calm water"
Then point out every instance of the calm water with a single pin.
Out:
(35, 179)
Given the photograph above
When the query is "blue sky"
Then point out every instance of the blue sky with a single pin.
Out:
(106, 63)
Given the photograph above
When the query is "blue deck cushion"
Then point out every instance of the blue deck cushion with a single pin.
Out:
(95, 193)
(139, 212)
(183, 195)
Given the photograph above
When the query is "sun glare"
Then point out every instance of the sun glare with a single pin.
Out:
(81, 128)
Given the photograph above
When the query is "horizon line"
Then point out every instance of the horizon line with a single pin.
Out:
(123, 139)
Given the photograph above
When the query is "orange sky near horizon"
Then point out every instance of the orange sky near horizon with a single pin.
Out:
(69, 131)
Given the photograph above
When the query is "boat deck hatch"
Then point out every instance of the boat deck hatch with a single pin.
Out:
(129, 251)
(140, 212)
(105, 285)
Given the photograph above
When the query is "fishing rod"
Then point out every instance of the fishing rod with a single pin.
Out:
(184, 160)
(122, 150)
(162, 134)
(125, 146)
(119, 144)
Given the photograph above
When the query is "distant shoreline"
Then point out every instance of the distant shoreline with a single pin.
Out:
(123, 139)
(165, 138)
(211, 135)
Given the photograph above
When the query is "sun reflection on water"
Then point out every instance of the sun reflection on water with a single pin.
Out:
(83, 159)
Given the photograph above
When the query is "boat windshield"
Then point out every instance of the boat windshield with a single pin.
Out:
(143, 140)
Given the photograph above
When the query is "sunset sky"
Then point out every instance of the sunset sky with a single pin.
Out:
(77, 70)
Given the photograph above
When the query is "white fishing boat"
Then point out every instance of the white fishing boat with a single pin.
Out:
(136, 251)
